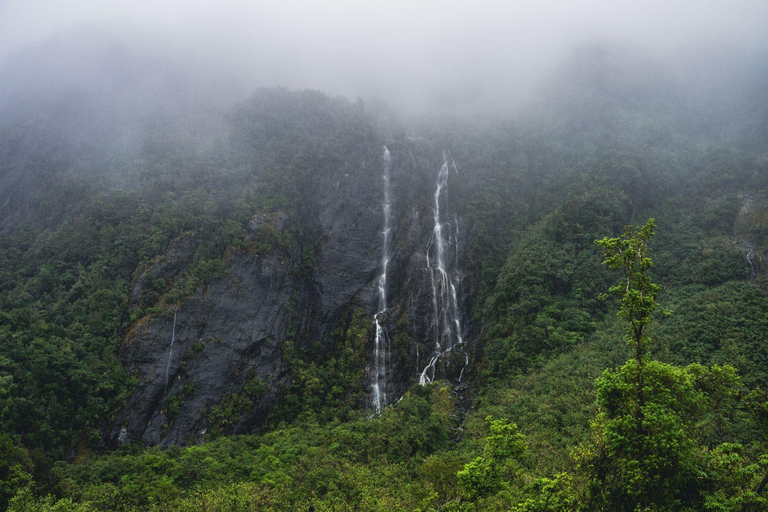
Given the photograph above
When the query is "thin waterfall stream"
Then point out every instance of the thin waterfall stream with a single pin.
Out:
(445, 305)
(748, 256)
(381, 342)
(170, 352)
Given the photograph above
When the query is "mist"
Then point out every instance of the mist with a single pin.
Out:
(281, 216)
(417, 57)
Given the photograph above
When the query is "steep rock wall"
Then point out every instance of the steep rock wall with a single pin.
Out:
(227, 368)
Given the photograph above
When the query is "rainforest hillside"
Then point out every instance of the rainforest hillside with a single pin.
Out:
(294, 299)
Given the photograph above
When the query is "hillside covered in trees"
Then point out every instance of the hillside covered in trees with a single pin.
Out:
(297, 299)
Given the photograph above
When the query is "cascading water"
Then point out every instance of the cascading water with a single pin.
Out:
(123, 433)
(749, 255)
(445, 305)
(381, 343)
(170, 352)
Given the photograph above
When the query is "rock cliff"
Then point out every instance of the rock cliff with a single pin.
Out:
(216, 364)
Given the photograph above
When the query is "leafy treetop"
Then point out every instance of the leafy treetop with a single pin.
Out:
(636, 293)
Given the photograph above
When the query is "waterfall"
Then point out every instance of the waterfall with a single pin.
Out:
(466, 363)
(445, 305)
(750, 253)
(381, 343)
(170, 352)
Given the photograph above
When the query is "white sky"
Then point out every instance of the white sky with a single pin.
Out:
(346, 46)
(373, 22)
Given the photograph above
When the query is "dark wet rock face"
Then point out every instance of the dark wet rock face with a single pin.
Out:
(226, 369)
(225, 337)
(752, 219)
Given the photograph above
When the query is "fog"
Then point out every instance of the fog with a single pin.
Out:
(413, 55)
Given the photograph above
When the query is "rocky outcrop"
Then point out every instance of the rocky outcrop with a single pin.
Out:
(750, 229)
(224, 338)
(215, 364)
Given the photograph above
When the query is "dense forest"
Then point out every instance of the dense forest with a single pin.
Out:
(575, 312)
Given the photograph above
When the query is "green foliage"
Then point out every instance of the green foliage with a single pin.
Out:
(439, 474)
(545, 298)
(735, 480)
(255, 389)
(656, 421)
(650, 451)
(722, 324)
(637, 295)
(227, 413)
(330, 466)
(16, 468)
(98, 256)
(662, 457)
(498, 465)
(329, 386)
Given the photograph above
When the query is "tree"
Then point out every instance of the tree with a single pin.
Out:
(636, 293)
(488, 474)
(647, 453)
(637, 304)
(16, 469)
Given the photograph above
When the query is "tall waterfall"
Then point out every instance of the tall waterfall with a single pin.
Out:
(381, 343)
(447, 325)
